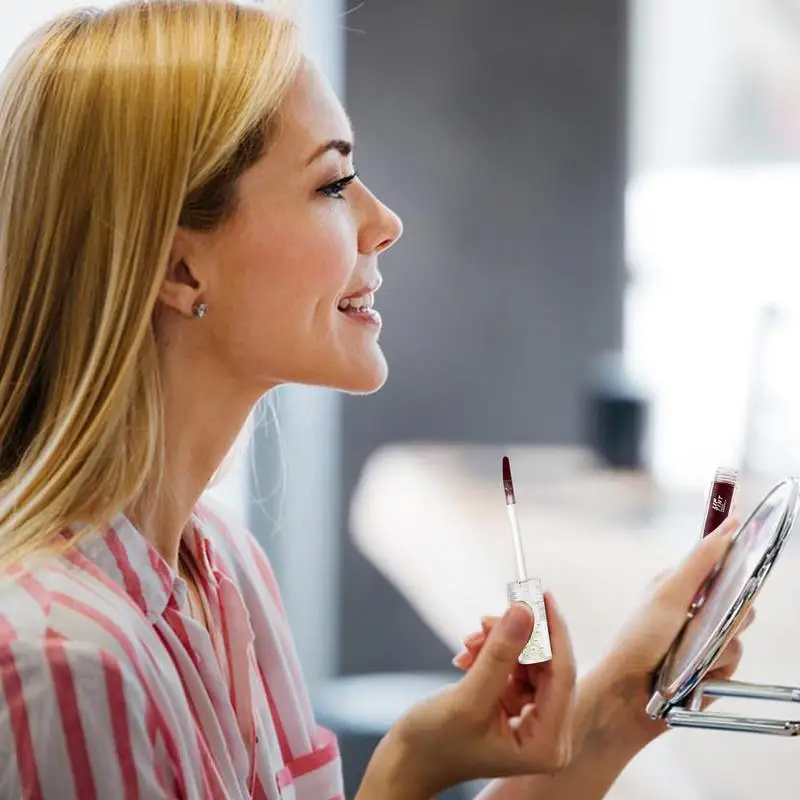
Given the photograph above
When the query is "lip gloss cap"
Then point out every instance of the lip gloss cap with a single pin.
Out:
(726, 475)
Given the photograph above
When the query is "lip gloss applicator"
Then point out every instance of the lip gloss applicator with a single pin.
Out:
(524, 589)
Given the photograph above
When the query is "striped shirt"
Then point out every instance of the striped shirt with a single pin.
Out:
(110, 689)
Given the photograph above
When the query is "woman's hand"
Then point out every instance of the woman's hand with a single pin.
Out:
(627, 672)
(500, 719)
(645, 640)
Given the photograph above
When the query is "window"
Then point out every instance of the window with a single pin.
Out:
(713, 246)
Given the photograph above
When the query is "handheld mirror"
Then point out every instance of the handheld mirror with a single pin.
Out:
(680, 684)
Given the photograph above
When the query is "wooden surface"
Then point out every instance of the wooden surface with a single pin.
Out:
(432, 519)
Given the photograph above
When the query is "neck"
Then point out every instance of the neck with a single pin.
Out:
(202, 420)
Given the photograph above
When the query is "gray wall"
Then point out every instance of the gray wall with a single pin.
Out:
(497, 131)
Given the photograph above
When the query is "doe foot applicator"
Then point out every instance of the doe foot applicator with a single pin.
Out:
(524, 589)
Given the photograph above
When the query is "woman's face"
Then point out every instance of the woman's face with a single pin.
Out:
(290, 279)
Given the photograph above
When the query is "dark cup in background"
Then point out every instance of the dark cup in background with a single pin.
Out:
(616, 411)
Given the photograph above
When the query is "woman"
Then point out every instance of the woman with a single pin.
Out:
(183, 231)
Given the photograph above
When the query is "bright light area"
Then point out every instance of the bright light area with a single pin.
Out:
(712, 319)
(734, 228)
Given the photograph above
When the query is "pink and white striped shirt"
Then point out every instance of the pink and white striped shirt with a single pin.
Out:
(109, 689)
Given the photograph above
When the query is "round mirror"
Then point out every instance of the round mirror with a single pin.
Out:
(729, 593)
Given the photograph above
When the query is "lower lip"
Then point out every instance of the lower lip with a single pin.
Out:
(364, 316)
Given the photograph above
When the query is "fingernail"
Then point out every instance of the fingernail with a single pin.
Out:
(516, 622)
(458, 660)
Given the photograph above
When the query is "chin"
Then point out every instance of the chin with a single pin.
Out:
(361, 373)
(367, 378)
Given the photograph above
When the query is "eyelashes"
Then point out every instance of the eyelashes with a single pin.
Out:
(335, 189)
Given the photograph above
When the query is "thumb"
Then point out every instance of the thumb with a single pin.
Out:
(682, 585)
(488, 677)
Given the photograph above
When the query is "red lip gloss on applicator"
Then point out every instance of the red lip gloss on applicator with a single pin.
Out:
(524, 589)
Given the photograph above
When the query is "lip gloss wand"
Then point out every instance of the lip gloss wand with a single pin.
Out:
(524, 589)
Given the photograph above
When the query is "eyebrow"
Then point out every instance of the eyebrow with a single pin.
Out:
(340, 145)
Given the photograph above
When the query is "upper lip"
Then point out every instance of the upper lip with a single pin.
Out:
(370, 288)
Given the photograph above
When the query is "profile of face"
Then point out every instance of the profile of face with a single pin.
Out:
(290, 277)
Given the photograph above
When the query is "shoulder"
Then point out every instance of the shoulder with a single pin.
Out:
(62, 604)
(50, 667)
(75, 714)
(55, 688)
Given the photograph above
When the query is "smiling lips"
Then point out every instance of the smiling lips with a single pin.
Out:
(359, 308)
(357, 302)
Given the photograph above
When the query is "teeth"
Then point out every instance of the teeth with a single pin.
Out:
(357, 303)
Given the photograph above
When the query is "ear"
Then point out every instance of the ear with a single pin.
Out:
(182, 286)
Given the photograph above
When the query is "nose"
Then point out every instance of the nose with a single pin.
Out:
(381, 227)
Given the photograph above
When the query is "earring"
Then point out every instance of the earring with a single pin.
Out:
(199, 310)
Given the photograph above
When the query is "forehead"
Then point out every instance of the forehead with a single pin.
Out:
(311, 114)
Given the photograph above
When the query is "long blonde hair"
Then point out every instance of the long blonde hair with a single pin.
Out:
(116, 127)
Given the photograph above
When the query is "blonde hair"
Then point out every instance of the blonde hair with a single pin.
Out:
(116, 127)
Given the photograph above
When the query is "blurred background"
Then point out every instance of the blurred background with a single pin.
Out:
(599, 274)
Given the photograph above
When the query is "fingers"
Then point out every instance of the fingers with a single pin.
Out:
(486, 681)
(555, 679)
(729, 660)
(749, 619)
(534, 704)
(487, 623)
(558, 750)
(727, 663)
(522, 722)
(473, 642)
(521, 684)
(465, 659)
(680, 587)
(725, 668)
(518, 694)
(545, 727)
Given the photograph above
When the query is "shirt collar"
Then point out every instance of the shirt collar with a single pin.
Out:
(131, 562)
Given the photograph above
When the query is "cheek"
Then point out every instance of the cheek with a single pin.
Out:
(323, 255)
(307, 265)
(284, 281)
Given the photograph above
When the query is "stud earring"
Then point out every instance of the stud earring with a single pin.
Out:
(199, 310)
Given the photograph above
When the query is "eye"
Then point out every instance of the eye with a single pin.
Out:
(335, 189)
